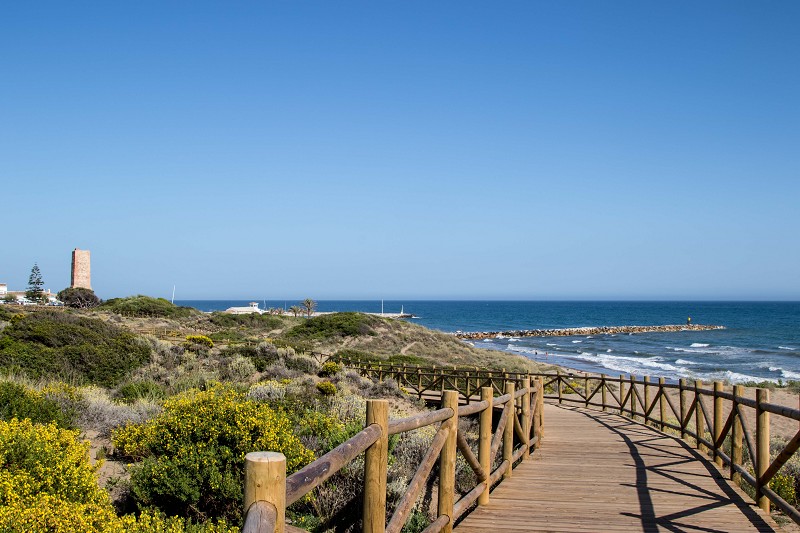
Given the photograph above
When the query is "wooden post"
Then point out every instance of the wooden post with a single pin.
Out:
(265, 480)
(762, 447)
(526, 417)
(376, 461)
(538, 418)
(586, 390)
(558, 382)
(603, 390)
(682, 399)
(508, 435)
(662, 403)
(447, 461)
(736, 436)
(485, 441)
(468, 389)
(699, 426)
(646, 398)
(419, 382)
(633, 397)
(717, 420)
(621, 395)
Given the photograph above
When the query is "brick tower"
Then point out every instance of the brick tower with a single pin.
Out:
(81, 269)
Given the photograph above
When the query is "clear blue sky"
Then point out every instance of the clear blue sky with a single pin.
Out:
(416, 149)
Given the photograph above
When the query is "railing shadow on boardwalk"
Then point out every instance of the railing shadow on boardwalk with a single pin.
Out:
(647, 512)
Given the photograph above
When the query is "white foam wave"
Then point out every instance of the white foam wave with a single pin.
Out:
(609, 350)
(552, 344)
(788, 374)
(698, 345)
(786, 348)
(685, 362)
(513, 339)
(576, 342)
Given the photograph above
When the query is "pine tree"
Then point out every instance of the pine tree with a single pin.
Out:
(35, 284)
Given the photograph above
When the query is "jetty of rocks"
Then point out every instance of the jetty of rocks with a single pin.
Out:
(569, 332)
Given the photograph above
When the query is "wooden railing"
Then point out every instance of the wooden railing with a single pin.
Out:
(434, 380)
(720, 429)
(519, 429)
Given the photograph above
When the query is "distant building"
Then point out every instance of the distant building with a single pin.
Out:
(3, 289)
(251, 308)
(81, 269)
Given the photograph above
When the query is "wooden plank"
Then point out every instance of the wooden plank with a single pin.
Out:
(599, 471)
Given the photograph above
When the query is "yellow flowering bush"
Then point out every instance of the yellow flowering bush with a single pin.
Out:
(191, 456)
(43, 459)
(47, 485)
(198, 340)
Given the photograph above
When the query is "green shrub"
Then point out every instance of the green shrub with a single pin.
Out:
(141, 390)
(5, 315)
(326, 388)
(192, 454)
(17, 401)
(262, 355)
(250, 320)
(78, 297)
(335, 325)
(146, 306)
(54, 345)
(239, 369)
(358, 355)
(301, 363)
(407, 359)
(330, 368)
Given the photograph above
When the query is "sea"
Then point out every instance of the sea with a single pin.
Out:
(761, 340)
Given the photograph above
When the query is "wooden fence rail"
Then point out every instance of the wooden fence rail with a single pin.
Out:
(719, 429)
(520, 428)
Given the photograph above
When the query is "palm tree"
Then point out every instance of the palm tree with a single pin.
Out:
(310, 305)
(295, 310)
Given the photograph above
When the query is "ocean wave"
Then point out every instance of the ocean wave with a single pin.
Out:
(513, 339)
(609, 350)
(788, 374)
(698, 345)
(734, 377)
(685, 362)
(786, 348)
(552, 344)
(576, 342)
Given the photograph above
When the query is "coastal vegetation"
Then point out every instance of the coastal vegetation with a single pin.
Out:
(145, 306)
(78, 297)
(156, 405)
(59, 345)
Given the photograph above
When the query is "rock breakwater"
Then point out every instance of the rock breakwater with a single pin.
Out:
(569, 332)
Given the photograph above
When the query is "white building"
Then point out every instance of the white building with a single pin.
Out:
(3, 289)
(251, 308)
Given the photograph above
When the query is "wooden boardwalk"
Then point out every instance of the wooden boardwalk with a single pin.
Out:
(599, 471)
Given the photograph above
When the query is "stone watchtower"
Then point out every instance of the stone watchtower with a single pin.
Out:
(81, 269)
